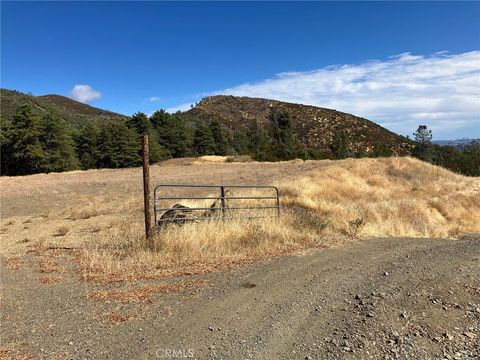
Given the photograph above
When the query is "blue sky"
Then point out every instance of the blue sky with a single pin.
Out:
(397, 63)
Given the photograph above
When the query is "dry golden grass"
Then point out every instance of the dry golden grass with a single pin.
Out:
(14, 263)
(5, 355)
(393, 196)
(62, 231)
(324, 203)
(48, 264)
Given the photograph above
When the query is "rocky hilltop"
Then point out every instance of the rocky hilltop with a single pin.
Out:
(314, 127)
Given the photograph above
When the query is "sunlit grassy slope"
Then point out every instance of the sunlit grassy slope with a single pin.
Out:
(98, 213)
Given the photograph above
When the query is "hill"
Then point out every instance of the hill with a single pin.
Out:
(314, 127)
(74, 112)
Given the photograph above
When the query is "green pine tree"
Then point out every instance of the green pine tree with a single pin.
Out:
(57, 144)
(203, 142)
(140, 123)
(28, 154)
(241, 141)
(173, 133)
(87, 146)
(469, 160)
(340, 145)
(219, 137)
(423, 148)
(118, 146)
(181, 140)
(258, 137)
(6, 148)
(282, 128)
(157, 151)
(283, 145)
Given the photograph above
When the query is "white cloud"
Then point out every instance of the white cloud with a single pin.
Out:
(181, 107)
(441, 91)
(153, 99)
(84, 93)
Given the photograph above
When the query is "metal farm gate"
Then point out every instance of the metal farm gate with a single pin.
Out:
(227, 202)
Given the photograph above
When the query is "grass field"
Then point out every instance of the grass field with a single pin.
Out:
(96, 215)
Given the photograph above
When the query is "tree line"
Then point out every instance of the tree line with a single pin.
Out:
(33, 144)
(463, 161)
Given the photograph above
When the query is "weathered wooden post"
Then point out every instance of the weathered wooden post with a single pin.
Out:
(146, 191)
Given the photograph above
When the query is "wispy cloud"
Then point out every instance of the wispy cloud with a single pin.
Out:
(441, 91)
(181, 107)
(84, 93)
(153, 99)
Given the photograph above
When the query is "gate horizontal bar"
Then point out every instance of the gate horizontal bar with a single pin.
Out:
(214, 198)
(217, 208)
(217, 218)
(218, 186)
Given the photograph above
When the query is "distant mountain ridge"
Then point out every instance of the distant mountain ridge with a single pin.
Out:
(74, 112)
(314, 127)
(458, 144)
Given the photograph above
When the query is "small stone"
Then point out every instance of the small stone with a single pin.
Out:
(210, 328)
(370, 314)
(448, 336)
(470, 335)
(385, 273)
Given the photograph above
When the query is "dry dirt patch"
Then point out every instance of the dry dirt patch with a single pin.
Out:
(140, 294)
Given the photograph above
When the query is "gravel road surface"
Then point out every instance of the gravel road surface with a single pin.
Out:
(392, 298)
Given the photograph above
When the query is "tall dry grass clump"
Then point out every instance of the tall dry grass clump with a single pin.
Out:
(390, 197)
(193, 247)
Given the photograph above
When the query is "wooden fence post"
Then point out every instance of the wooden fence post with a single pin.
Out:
(146, 191)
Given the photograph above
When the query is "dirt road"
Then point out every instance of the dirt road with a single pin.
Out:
(378, 298)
